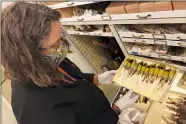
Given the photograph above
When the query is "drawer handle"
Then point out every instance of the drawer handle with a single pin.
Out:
(139, 41)
(143, 54)
(77, 33)
(86, 33)
(183, 60)
(149, 55)
(144, 17)
(106, 17)
(164, 56)
(70, 4)
(156, 42)
(181, 38)
(138, 36)
(97, 34)
(80, 19)
(155, 36)
(179, 44)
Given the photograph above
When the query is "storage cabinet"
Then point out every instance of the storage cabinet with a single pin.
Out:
(157, 44)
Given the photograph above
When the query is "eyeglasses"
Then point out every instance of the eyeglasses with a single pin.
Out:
(49, 51)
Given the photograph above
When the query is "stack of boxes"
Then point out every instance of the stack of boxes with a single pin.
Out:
(139, 7)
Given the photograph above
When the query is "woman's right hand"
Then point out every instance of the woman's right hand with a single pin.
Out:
(128, 100)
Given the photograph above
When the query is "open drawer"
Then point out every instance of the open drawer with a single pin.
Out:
(151, 15)
(92, 30)
(152, 32)
(82, 18)
(154, 41)
(142, 105)
(135, 40)
(180, 43)
(169, 112)
(143, 83)
(158, 112)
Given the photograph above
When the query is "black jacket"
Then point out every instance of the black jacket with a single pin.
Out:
(78, 103)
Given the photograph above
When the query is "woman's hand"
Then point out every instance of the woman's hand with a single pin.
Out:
(106, 77)
(127, 101)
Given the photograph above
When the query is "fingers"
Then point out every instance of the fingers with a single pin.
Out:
(113, 71)
(129, 92)
(135, 98)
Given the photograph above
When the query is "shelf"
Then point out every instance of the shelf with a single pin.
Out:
(68, 4)
(176, 16)
(159, 56)
(98, 32)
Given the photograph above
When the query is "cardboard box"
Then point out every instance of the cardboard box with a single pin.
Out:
(116, 8)
(52, 3)
(179, 5)
(163, 6)
(146, 7)
(132, 7)
(66, 12)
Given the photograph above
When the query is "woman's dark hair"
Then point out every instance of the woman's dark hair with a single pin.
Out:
(23, 26)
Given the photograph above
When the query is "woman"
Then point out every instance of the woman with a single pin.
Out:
(47, 88)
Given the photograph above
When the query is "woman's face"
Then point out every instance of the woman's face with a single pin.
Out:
(53, 40)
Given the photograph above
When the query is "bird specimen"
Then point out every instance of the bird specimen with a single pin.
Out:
(143, 73)
(175, 111)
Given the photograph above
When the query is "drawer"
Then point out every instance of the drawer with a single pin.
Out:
(178, 58)
(176, 36)
(150, 55)
(134, 35)
(170, 43)
(91, 33)
(160, 42)
(168, 57)
(104, 17)
(151, 15)
(133, 16)
(77, 33)
(135, 40)
(154, 55)
(176, 43)
(124, 32)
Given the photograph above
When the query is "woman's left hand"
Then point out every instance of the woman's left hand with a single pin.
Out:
(106, 77)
